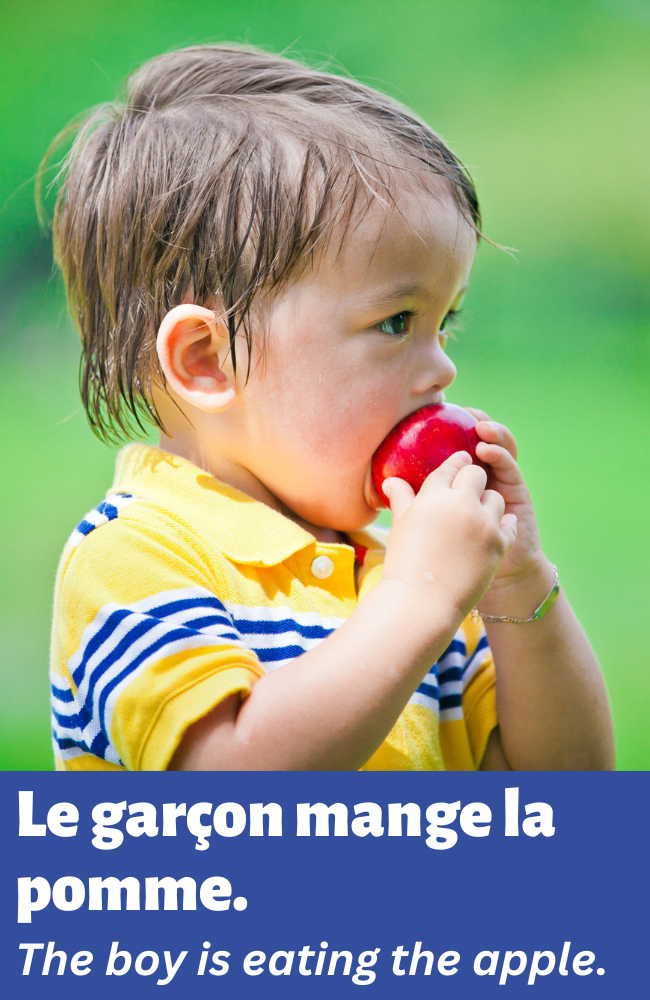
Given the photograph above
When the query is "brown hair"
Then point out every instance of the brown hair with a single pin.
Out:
(221, 173)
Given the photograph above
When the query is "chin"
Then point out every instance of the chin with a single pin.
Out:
(352, 518)
(347, 507)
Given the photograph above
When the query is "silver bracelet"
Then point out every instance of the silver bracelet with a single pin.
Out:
(538, 613)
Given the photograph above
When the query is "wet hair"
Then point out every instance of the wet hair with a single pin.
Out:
(222, 174)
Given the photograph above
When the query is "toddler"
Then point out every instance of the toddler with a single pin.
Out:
(263, 261)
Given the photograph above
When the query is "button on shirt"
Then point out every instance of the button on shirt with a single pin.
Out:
(177, 591)
(322, 567)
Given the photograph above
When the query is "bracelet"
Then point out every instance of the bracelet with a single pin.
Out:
(538, 613)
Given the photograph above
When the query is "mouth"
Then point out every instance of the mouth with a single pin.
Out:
(370, 494)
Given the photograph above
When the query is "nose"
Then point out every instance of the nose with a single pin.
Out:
(435, 371)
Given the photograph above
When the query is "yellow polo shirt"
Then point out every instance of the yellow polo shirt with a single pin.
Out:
(178, 591)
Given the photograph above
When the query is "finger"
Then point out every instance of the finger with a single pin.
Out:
(494, 433)
(501, 462)
(444, 476)
(472, 478)
(479, 414)
(400, 495)
(508, 529)
(494, 502)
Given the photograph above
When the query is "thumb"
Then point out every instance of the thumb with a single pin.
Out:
(508, 527)
(400, 495)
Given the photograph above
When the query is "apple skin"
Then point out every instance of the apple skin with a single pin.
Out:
(421, 442)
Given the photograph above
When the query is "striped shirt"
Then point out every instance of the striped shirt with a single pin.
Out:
(178, 591)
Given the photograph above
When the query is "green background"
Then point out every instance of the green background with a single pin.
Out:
(548, 102)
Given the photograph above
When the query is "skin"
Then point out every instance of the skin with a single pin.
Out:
(345, 380)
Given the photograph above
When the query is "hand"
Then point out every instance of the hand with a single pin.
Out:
(498, 449)
(447, 543)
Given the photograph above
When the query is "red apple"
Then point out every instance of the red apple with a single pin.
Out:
(421, 442)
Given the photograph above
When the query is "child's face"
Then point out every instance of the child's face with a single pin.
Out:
(351, 348)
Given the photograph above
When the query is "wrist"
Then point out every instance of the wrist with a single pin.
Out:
(519, 594)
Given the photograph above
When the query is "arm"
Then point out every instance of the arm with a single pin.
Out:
(552, 703)
(332, 707)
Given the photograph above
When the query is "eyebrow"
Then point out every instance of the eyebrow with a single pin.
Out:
(406, 292)
(400, 292)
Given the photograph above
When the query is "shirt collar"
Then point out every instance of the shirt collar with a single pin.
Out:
(246, 530)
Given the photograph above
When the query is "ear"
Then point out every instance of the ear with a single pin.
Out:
(192, 347)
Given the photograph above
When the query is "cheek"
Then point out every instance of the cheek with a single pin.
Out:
(339, 418)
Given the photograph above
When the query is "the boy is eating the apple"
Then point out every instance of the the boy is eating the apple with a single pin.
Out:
(262, 260)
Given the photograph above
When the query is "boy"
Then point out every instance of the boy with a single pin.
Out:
(262, 260)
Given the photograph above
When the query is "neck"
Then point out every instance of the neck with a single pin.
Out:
(242, 479)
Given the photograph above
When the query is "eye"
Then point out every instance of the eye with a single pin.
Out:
(450, 322)
(397, 325)
(447, 327)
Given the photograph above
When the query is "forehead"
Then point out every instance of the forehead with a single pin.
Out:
(422, 239)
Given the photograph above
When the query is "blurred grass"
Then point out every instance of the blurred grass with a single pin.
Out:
(549, 104)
